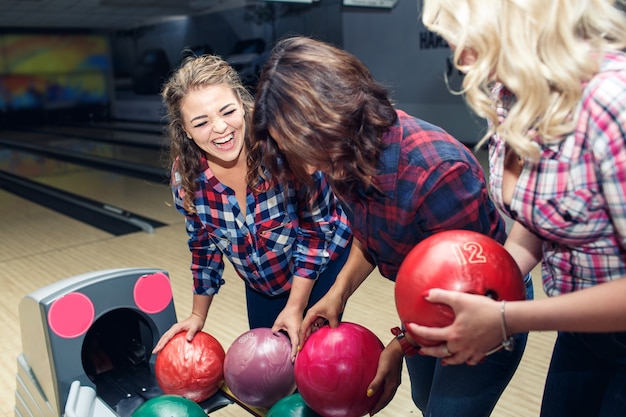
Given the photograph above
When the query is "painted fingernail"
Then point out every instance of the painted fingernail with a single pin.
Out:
(370, 392)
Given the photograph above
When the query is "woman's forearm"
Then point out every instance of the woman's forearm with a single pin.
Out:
(356, 269)
(601, 308)
(200, 305)
(524, 247)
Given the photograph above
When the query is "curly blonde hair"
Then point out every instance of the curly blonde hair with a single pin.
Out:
(540, 50)
(194, 73)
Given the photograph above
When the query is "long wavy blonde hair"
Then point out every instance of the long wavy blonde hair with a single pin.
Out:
(540, 50)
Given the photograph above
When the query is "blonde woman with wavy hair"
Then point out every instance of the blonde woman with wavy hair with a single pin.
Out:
(550, 79)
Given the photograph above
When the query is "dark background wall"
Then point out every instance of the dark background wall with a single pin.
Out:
(121, 79)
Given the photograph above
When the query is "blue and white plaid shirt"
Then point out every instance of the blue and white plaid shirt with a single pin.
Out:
(281, 235)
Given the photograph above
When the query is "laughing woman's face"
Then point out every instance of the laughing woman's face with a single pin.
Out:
(214, 120)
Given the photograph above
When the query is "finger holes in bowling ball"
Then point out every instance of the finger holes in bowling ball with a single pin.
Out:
(491, 294)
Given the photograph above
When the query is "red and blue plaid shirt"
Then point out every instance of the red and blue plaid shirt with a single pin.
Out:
(428, 182)
(574, 195)
(280, 236)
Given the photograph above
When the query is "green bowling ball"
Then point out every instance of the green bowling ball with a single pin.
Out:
(291, 406)
(169, 406)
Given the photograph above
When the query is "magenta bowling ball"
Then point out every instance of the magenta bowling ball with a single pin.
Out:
(334, 368)
(258, 367)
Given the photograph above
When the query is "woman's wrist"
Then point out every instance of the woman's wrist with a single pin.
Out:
(407, 348)
(200, 316)
(508, 342)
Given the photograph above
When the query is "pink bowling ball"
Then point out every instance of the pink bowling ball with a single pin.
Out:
(335, 367)
(258, 367)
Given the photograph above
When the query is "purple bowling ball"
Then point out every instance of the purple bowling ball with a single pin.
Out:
(258, 368)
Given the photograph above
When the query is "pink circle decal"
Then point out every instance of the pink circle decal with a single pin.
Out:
(153, 293)
(71, 315)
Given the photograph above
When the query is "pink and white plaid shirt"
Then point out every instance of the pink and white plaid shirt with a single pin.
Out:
(574, 196)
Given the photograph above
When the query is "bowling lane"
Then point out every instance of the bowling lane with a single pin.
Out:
(127, 125)
(29, 229)
(135, 195)
(136, 137)
(153, 156)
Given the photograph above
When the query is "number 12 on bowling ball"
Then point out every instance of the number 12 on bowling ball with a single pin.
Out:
(455, 260)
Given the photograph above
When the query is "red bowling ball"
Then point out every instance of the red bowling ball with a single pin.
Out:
(194, 370)
(457, 260)
(258, 367)
(334, 368)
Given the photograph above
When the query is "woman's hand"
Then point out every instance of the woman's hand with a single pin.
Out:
(191, 325)
(475, 331)
(388, 375)
(290, 320)
(327, 309)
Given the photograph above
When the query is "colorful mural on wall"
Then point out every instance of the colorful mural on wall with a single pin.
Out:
(53, 70)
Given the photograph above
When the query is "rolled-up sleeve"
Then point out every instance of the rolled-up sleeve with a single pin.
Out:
(207, 265)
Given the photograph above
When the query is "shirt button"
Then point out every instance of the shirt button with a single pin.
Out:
(326, 254)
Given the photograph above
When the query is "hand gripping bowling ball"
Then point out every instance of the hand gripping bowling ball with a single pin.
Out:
(457, 260)
(169, 406)
(334, 368)
(194, 370)
(258, 367)
(291, 406)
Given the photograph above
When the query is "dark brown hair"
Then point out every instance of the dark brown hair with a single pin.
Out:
(327, 111)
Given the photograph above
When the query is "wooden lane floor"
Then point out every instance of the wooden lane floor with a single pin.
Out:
(28, 229)
(135, 195)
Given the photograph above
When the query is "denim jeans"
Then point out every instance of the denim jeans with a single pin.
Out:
(587, 376)
(464, 390)
(263, 309)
